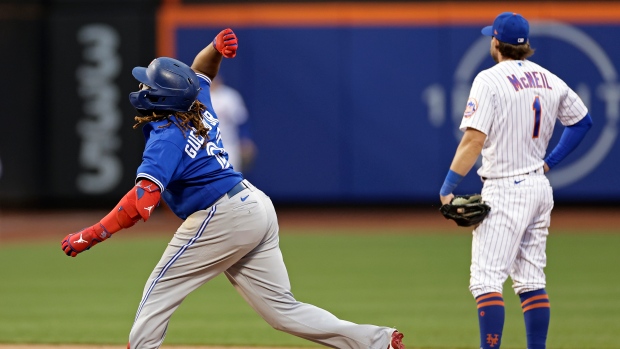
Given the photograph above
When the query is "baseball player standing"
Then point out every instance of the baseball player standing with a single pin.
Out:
(509, 119)
(234, 124)
(229, 225)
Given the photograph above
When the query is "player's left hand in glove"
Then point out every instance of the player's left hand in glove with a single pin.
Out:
(466, 210)
(226, 43)
(75, 243)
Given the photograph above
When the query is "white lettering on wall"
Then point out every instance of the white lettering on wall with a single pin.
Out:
(100, 165)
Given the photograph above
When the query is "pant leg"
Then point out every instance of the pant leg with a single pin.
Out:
(262, 279)
(528, 272)
(497, 239)
(205, 245)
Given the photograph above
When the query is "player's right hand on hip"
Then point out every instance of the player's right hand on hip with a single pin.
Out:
(226, 43)
(75, 243)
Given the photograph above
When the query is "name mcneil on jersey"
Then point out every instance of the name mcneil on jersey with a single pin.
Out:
(530, 80)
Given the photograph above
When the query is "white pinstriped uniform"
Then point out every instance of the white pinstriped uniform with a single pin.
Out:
(516, 104)
(231, 112)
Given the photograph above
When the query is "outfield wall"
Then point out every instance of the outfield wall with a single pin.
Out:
(349, 102)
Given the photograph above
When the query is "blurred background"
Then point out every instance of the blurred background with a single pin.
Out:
(348, 103)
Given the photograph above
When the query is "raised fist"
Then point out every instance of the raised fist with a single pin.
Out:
(226, 43)
(83, 240)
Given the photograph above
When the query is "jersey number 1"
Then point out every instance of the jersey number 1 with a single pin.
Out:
(537, 113)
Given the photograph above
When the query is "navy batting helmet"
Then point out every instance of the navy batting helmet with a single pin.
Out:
(173, 85)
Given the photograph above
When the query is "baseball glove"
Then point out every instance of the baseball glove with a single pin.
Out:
(466, 210)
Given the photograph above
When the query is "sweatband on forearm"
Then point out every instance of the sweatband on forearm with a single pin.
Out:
(449, 184)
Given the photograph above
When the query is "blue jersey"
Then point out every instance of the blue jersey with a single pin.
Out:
(191, 177)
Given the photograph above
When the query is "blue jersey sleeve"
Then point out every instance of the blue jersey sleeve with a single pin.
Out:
(159, 162)
(204, 95)
(570, 139)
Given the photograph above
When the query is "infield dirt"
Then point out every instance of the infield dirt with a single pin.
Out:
(17, 226)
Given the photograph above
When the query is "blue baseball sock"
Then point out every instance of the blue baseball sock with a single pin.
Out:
(491, 315)
(536, 313)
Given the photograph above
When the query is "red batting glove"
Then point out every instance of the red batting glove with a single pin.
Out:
(83, 240)
(226, 43)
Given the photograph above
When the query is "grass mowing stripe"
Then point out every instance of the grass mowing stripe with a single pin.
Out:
(417, 283)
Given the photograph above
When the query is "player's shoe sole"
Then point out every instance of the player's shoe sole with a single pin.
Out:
(397, 341)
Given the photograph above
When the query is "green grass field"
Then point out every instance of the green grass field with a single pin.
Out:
(417, 283)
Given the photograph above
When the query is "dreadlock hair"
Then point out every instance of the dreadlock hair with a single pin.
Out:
(185, 120)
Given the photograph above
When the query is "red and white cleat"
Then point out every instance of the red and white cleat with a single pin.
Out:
(397, 341)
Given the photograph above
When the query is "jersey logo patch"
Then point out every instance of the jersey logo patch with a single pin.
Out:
(471, 107)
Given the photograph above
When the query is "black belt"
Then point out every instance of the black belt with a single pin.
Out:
(236, 189)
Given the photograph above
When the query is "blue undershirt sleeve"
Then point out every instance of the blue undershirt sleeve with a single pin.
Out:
(571, 137)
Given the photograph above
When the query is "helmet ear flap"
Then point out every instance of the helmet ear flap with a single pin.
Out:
(138, 101)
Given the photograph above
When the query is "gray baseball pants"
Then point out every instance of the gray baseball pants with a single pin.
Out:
(240, 238)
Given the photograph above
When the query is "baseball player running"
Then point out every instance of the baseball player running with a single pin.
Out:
(509, 119)
(229, 227)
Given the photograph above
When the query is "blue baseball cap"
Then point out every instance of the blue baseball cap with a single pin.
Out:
(509, 27)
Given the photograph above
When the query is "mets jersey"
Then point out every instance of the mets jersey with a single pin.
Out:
(516, 104)
(191, 177)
